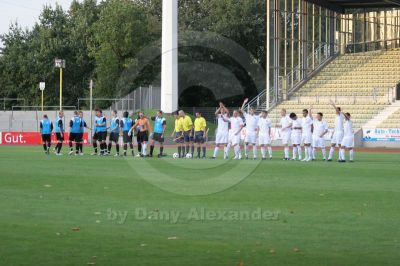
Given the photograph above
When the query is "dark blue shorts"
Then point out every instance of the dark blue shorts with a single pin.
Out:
(199, 137)
(178, 137)
(188, 136)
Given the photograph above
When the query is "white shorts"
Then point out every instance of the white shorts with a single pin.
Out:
(348, 142)
(250, 138)
(286, 137)
(318, 142)
(337, 137)
(306, 138)
(296, 138)
(222, 138)
(234, 139)
(264, 140)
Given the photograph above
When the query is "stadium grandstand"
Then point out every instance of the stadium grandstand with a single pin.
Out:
(345, 51)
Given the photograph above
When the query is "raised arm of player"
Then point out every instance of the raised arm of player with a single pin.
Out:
(218, 110)
(334, 106)
(243, 105)
(223, 107)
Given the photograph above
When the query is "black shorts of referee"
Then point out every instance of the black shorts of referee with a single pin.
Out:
(199, 137)
(143, 136)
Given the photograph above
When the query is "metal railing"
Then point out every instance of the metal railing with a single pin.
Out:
(317, 60)
(11, 100)
(39, 108)
(372, 46)
(139, 99)
(83, 102)
(354, 97)
(294, 79)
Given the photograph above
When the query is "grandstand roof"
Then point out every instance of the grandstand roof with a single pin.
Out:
(342, 5)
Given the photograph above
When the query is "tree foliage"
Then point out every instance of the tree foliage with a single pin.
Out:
(101, 41)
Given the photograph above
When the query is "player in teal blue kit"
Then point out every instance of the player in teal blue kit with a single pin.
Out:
(46, 127)
(100, 133)
(114, 132)
(74, 134)
(160, 125)
(126, 124)
(59, 129)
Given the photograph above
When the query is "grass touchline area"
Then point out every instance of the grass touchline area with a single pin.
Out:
(74, 210)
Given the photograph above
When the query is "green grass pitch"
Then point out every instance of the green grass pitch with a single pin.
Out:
(85, 211)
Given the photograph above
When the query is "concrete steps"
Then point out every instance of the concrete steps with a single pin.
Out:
(383, 115)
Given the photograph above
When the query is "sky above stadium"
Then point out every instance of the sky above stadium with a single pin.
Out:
(26, 12)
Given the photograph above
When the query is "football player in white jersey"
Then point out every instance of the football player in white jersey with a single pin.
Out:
(306, 137)
(286, 131)
(222, 136)
(348, 139)
(296, 136)
(338, 132)
(234, 138)
(320, 128)
(251, 130)
(264, 134)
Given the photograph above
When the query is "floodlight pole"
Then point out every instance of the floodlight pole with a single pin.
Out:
(61, 87)
(267, 63)
(91, 107)
(60, 63)
(42, 86)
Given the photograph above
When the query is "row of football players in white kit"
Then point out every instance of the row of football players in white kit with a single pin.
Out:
(307, 131)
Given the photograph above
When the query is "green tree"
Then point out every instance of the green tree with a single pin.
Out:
(122, 30)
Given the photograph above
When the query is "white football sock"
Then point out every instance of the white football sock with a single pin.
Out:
(254, 151)
(263, 151)
(246, 149)
(286, 152)
(323, 153)
(227, 149)
(215, 151)
(306, 153)
(351, 154)
(144, 146)
(342, 154)
(237, 150)
(340, 157)
(270, 151)
(299, 150)
(294, 153)
(331, 152)
(313, 153)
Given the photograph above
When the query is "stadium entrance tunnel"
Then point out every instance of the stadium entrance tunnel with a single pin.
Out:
(197, 96)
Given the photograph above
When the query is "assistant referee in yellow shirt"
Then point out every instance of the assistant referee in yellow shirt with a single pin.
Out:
(178, 134)
(200, 126)
(187, 125)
